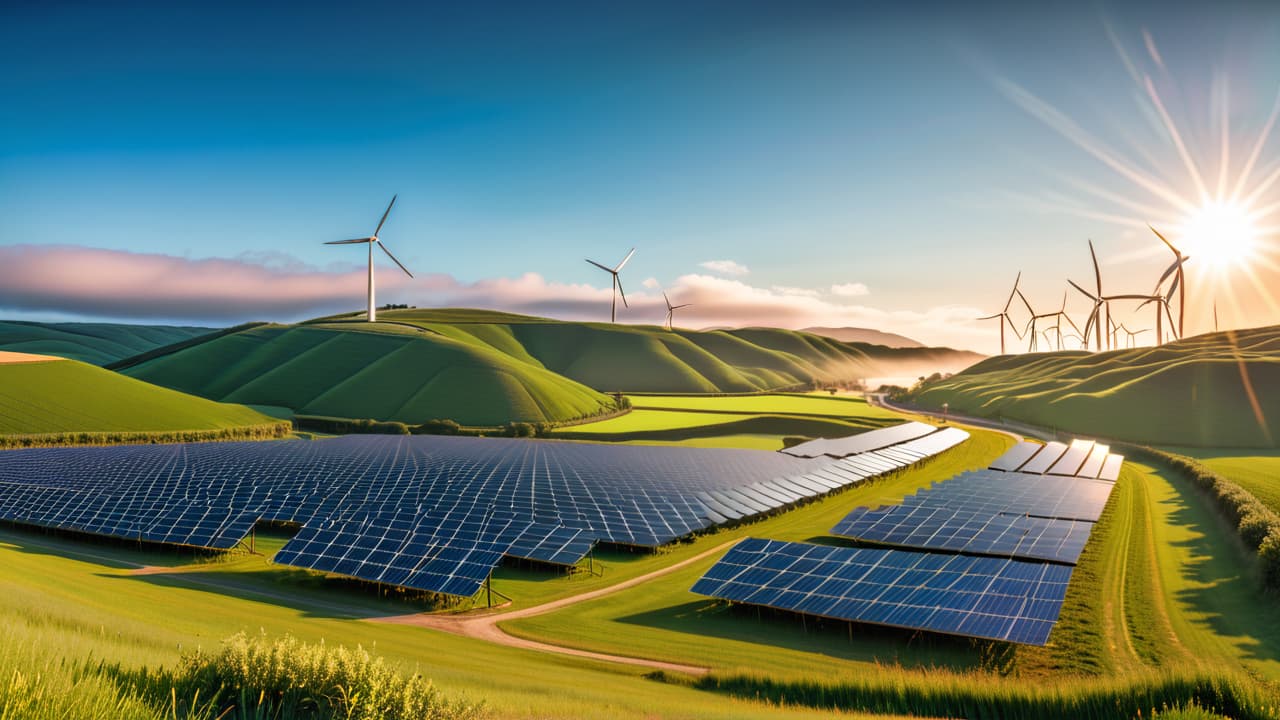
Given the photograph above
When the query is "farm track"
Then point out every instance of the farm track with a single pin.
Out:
(485, 626)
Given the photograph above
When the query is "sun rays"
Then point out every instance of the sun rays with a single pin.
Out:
(1183, 173)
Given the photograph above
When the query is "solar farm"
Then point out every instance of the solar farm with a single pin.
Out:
(436, 514)
(750, 571)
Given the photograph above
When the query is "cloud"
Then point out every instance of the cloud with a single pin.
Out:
(651, 283)
(726, 267)
(118, 285)
(850, 290)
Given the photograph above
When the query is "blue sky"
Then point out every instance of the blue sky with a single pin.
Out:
(816, 144)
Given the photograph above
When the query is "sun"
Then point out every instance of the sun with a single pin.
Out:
(1220, 234)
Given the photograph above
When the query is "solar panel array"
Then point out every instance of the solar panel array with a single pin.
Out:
(985, 554)
(860, 443)
(995, 598)
(426, 512)
(1082, 458)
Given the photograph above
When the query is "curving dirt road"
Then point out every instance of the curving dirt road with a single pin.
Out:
(485, 626)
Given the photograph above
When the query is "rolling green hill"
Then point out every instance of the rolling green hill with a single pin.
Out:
(96, 343)
(481, 367)
(67, 396)
(1214, 390)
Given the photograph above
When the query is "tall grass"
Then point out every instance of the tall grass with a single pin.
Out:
(947, 694)
(248, 678)
(264, 431)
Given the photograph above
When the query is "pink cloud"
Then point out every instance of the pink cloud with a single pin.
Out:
(137, 286)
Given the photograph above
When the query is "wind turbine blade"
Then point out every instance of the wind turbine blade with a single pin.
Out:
(1070, 322)
(621, 291)
(349, 242)
(1084, 292)
(1167, 272)
(394, 260)
(1024, 302)
(384, 217)
(625, 260)
(991, 317)
(1165, 240)
(606, 269)
(1097, 272)
(1009, 302)
(677, 307)
(1173, 287)
(666, 300)
(1088, 325)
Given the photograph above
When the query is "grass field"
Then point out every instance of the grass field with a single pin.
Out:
(486, 368)
(61, 396)
(1257, 471)
(95, 343)
(756, 421)
(1215, 390)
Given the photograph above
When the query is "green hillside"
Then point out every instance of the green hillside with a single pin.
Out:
(388, 372)
(1214, 390)
(96, 343)
(61, 396)
(481, 367)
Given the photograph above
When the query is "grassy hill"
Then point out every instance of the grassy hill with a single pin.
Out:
(865, 335)
(1214, 390)
(96, 343)
(67, 396)
(482, 367)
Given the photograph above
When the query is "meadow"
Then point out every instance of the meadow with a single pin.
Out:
(1215, 391)
(94, 343)
(1165, 610)
(66, 396)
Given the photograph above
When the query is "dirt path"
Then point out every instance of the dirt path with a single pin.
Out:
(485, 626)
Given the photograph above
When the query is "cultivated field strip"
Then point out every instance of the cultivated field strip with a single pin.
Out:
(425, 512)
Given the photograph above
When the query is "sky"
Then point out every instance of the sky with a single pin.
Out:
(792, 164)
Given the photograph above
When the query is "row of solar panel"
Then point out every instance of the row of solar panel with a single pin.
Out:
(1082, 458)
(995, 598)
(433, 513)
(860, 443)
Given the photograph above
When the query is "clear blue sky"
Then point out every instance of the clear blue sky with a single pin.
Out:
(815, 143)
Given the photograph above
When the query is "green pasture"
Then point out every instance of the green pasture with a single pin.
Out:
(62, 396)
(95, 343)
(1215, 390)
(820, 404)
(1257, 471)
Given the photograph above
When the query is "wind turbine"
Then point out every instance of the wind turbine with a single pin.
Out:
(671, 310)
(1033, 345)
(1004, 314)
(371, 241)
(1215, 316)
(1062, 315)
(617, 284)
(1132, 339)
(1162, 303)
(1179, 282)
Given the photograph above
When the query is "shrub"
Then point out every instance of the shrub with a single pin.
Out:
(438, 427)
(1269, 554)
(1255, 526)
(287, 678)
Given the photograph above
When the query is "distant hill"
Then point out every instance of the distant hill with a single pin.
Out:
(865, 335)
(482, 367)
(1215, 390)
(96, 343)
(59, 396)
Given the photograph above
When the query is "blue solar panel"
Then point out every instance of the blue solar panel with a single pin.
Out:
(1000, 599)
(941, 528)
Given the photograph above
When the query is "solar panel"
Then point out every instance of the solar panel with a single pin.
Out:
(1045, 459)
(995, 492)
(1093, 465)
(1073, 458)
(398, 509)
(1111, 468)
(860, 443)
(994, 598)
(983, 533)
(1016, 456)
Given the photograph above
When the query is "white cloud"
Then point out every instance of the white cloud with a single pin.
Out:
(796, 291)
(850, 290)
(651, 283)
(726, 267)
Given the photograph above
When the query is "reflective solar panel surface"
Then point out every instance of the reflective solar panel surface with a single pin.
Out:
(429, 512)
(862, 442)
(1045, 459)
(1000, 599)
(983, 533)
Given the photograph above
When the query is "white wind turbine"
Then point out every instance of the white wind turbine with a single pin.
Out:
(671, 311)
(617, 284)
(371, 241)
